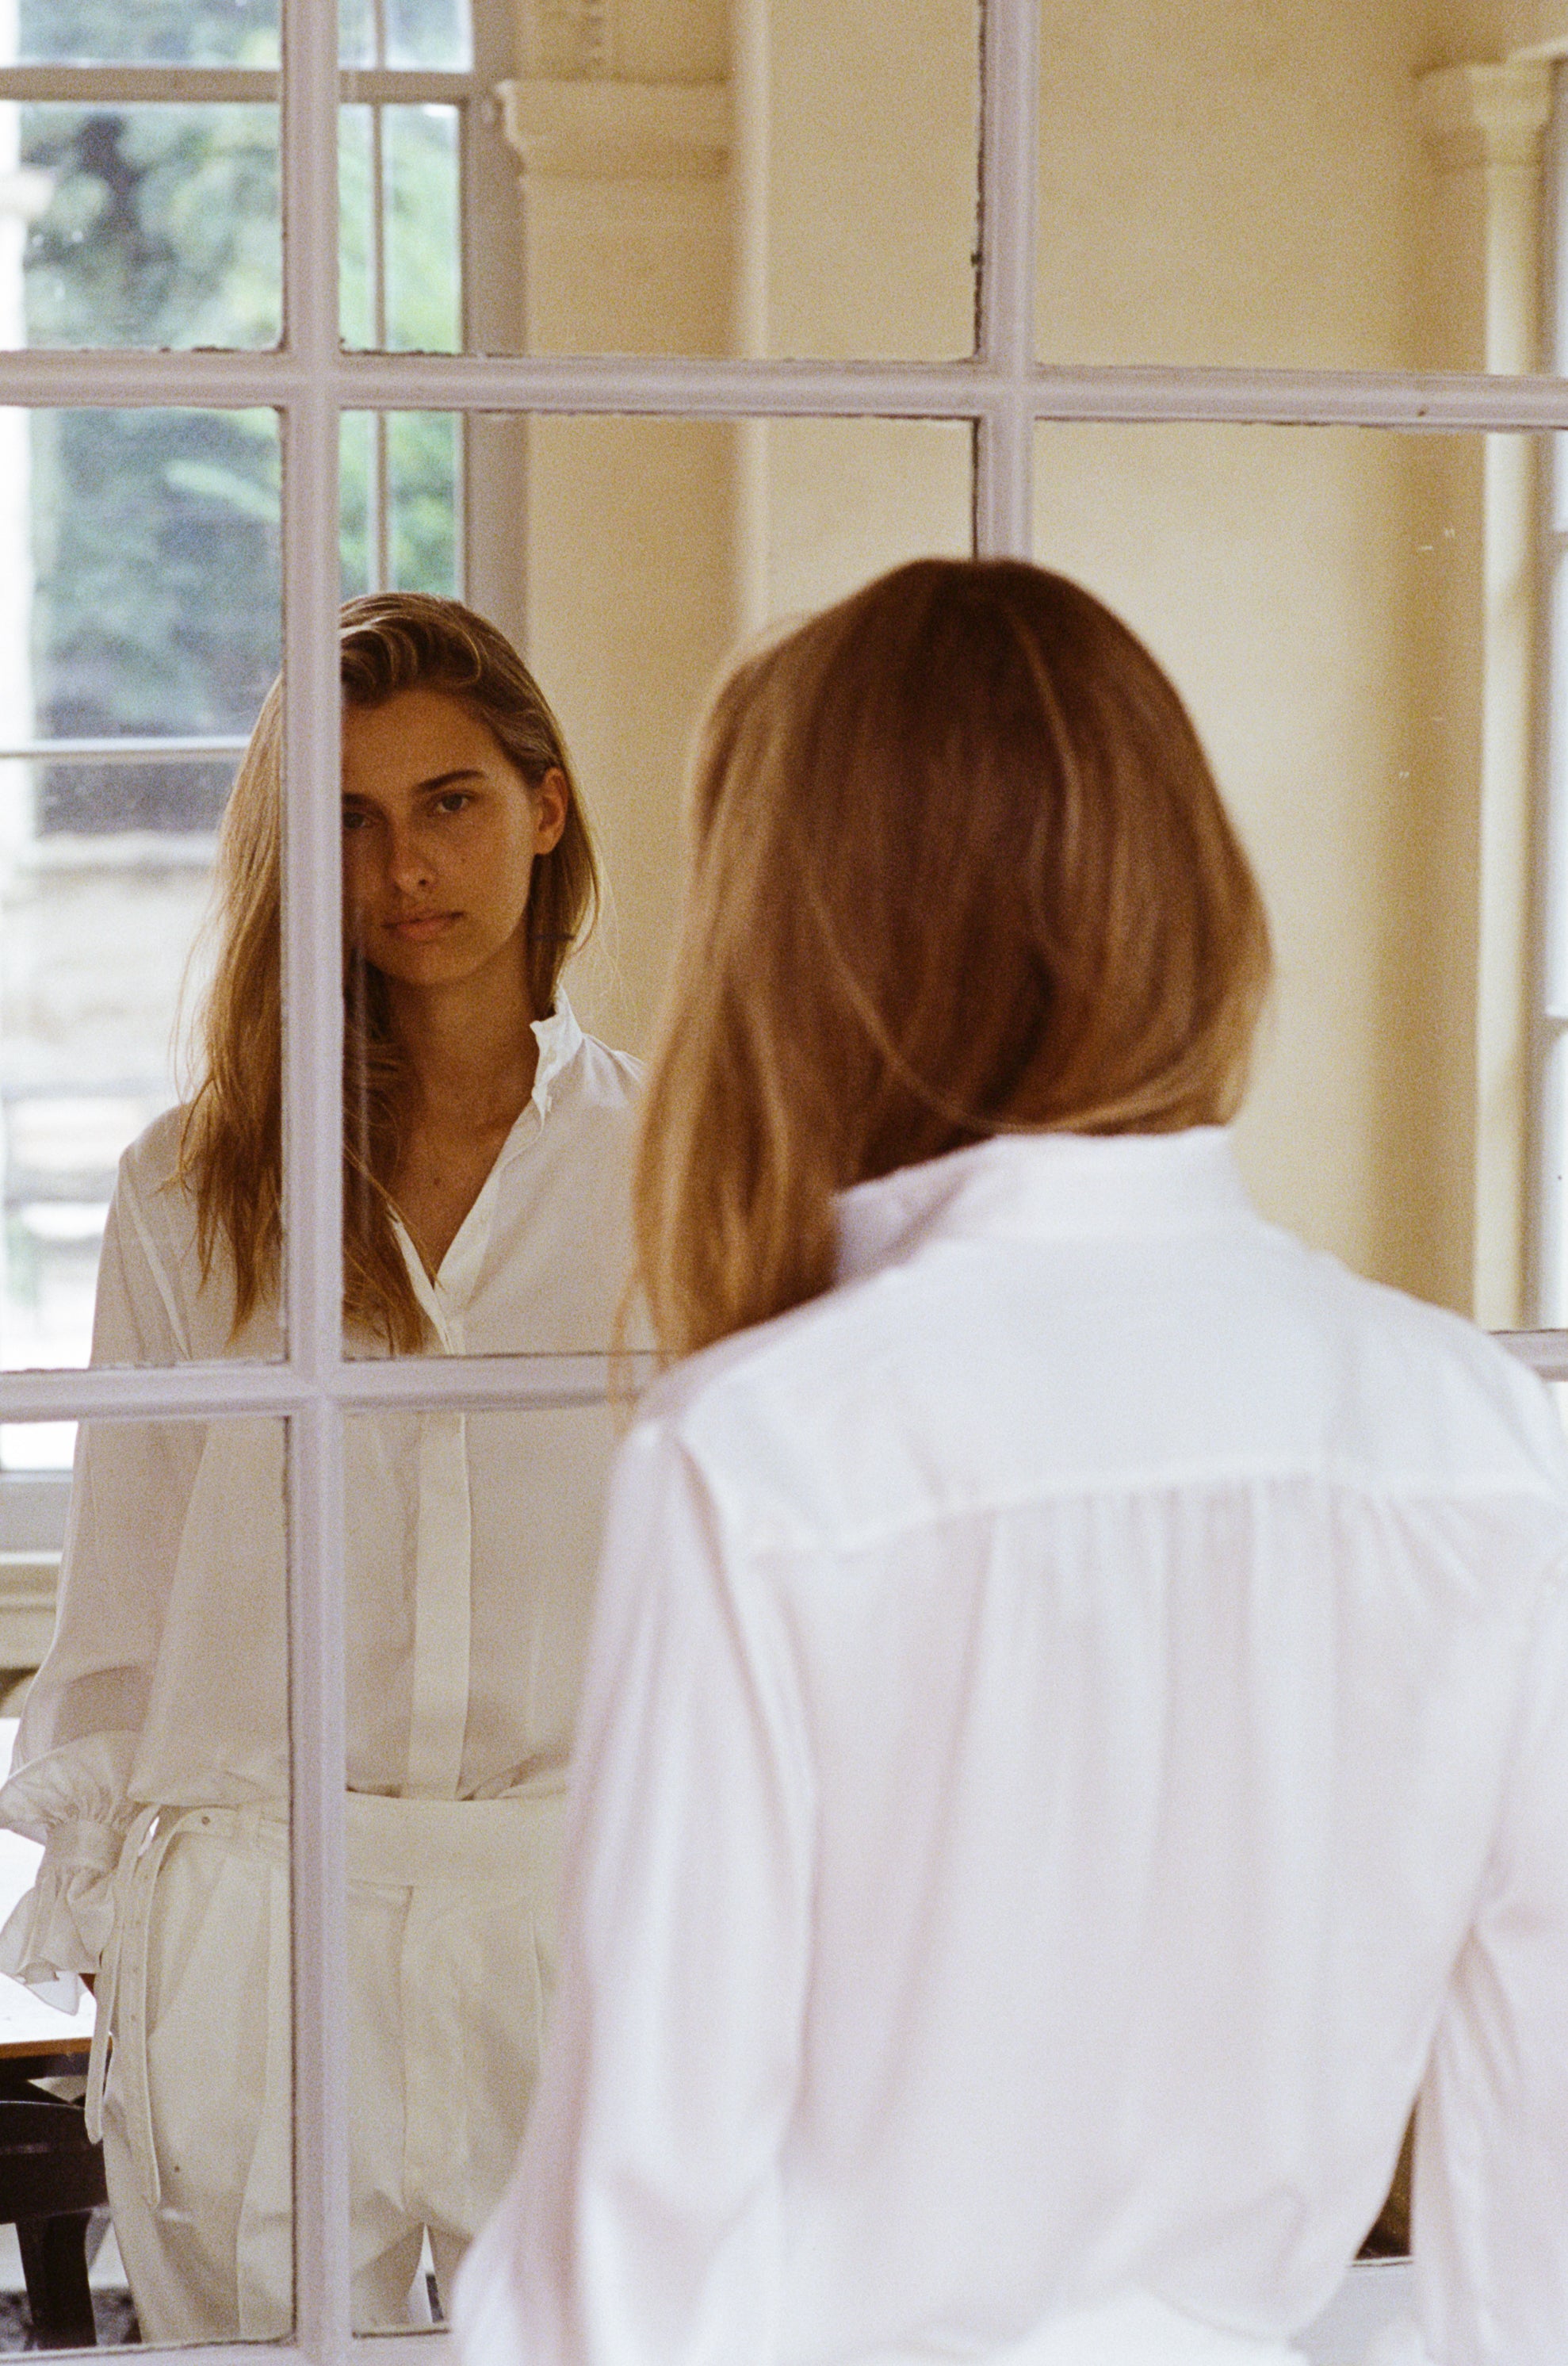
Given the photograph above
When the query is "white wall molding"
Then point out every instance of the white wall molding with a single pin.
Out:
(1483, 115)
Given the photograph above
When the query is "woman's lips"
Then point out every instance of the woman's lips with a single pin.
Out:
(421, 927)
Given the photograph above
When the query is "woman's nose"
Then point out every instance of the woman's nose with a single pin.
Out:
(409, 863)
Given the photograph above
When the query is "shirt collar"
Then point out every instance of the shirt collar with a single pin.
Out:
(1045, 1187)
(559, 1039)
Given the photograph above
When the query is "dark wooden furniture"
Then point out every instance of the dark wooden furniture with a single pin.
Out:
(51, 2180)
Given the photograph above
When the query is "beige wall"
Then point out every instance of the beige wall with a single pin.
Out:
(1219, 184)
(1498, 29)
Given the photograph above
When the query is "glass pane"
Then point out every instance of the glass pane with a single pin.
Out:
(424, 488)
(153, 225)
(401, 502)
(361, 298)
(643, 551)
(356, 33)
(423, 283)
(1366, 704)
(428, 33)
(1287, 188)
(147, 32)
(464, 1662)
(165, 1584)
(359, 541)
(750, 524)
(658, 180)
(141, 606)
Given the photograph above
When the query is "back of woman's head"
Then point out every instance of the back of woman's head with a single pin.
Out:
(958, 867)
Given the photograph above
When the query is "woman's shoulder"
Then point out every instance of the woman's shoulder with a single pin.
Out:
(150, 1167)
(156, 1217)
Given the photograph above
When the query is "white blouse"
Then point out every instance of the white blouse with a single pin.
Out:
(471, 1539)
(1076, 1734)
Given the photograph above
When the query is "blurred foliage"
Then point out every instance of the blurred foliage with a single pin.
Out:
(156, 598)
(162, 228)
(421, 313)
(149, 32)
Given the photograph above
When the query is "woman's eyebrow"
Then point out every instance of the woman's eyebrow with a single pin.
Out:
(436, 781)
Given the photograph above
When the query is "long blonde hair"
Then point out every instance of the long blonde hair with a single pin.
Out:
(957, 866)
(232, 1137)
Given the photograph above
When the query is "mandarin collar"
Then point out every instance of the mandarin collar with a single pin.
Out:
(1045, 1187)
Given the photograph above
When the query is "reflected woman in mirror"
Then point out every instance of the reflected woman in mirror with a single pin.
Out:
(1076, 1731)
(486, 1199)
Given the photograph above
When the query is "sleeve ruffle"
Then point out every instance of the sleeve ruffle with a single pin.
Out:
(74, 1801)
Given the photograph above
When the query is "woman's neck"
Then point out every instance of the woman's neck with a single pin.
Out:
(473, 1055)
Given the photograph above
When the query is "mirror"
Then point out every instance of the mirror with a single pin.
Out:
(1358, 621)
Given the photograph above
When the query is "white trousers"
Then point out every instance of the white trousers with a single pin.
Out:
(451, 1949)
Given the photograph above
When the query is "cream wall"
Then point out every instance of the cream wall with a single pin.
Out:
(1221, 183)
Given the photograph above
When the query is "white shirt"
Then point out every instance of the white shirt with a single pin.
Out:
(1077, 1726)
(471, 1545)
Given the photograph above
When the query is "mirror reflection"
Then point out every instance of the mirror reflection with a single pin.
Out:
(1350, 187)
(487, 1133)
(486, 1168)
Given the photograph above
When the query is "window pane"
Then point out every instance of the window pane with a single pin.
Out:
(644, 550)
(401, 285)
(457, 1743)
(361, 301)
(356, 33)
(423, 480)
(428, 33)
(153, 225)
(1366, 704)
(358, 540)
(657, 182)
(423, 299)
(1285, 187)
(138, 553)
(153, 554)
(160, 1632)
(147, 32)
(624, 558)
(401, 502)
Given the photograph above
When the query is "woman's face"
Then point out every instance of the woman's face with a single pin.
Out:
(440, 836)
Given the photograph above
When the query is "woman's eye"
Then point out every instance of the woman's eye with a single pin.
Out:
(453, 801)
(352, 821)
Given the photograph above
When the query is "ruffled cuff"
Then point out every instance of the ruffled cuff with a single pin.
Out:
(61, 1926)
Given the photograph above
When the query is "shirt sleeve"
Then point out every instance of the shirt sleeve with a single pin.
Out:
(1491, 2184)
(84, 1709)
(642, 2224)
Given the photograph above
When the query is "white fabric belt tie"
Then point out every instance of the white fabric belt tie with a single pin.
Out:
(392, 1844)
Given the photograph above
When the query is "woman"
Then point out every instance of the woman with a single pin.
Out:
(487, 1158)
(1077, 1725)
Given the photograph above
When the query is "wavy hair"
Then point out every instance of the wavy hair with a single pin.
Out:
(232, 1136)
(956, 866)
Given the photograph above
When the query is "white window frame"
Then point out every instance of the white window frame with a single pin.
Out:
(1549, 1036)
(1001, 393)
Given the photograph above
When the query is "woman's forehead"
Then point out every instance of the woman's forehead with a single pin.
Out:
(417, 736)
